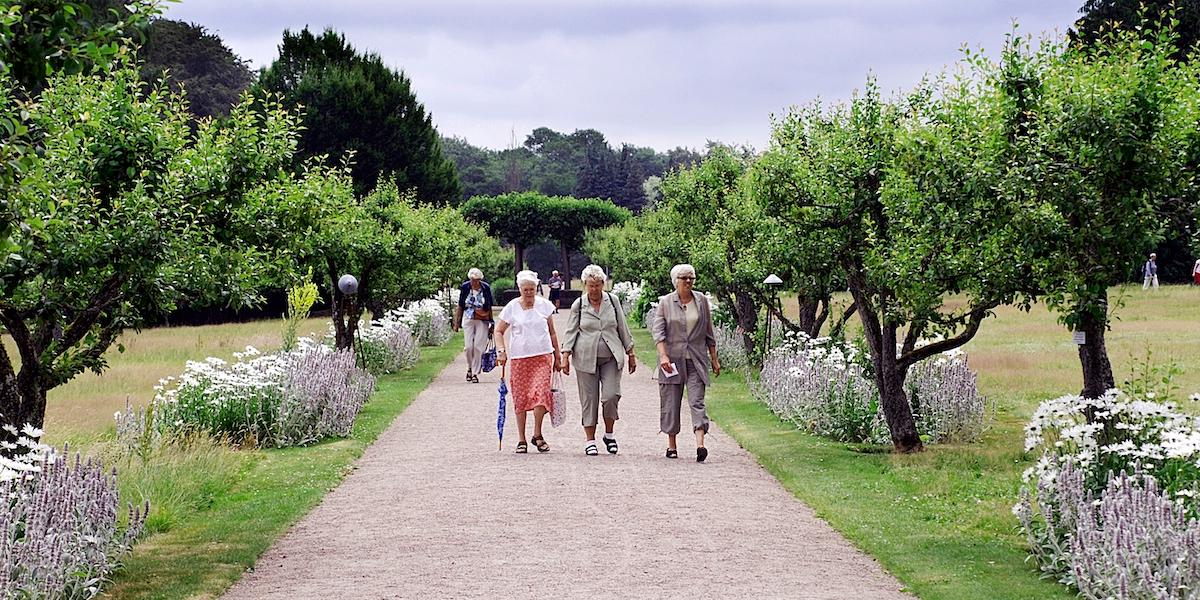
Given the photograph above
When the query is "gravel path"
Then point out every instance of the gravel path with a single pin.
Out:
(433, 510)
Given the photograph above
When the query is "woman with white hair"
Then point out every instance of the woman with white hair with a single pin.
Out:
(525, 334)
(598, 340)
(687, 349)
(474, 315)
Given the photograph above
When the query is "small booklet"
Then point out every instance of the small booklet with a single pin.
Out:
(670, 373)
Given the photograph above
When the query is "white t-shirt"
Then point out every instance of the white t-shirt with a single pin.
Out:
(527, 335)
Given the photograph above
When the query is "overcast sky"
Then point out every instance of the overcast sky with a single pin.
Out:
(659, 73)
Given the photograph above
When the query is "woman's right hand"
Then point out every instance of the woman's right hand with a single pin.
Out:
(566, 363)
(664, 363)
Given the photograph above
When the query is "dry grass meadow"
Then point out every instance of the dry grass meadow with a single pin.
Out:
(85, 406)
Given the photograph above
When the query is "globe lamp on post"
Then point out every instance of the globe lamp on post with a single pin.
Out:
(772, 282)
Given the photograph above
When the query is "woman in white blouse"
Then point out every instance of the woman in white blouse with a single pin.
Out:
(525, 334)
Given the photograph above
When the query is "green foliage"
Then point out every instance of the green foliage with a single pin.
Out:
(1108, 156)
(355, 104)
(1101, 17)
(503, 283)
(579, 164)
(526, 218)
(191, 58)
(134, 213)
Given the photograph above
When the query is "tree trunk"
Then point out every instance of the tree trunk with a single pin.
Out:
(1093, 357)
(809, 321)
(896, 409)
(889, 375)
(519, 260)
(566, 261)
(747, 317)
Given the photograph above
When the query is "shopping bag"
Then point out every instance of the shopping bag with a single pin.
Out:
(488, 361)
(558, 396)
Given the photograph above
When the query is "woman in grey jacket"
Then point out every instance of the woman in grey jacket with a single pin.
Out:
(598, 343)
(687, 349)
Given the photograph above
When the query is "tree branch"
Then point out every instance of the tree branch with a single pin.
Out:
(977, 315)
(109, 293)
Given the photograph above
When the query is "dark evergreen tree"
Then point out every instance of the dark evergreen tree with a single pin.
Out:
(353, 103)
(1100, 16)
(192, 58)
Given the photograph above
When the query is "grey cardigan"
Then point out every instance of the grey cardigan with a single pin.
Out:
(585, 329)
(670, 326)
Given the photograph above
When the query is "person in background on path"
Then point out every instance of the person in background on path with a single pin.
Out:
(525, 334)
(687, 349)
(556, 288)
(1196, 273)
(474, 315)
(599, 342)
(1150, 272)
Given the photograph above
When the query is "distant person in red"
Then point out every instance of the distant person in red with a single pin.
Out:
(1196, 273)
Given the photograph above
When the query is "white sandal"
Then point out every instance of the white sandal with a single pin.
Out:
(590, 449)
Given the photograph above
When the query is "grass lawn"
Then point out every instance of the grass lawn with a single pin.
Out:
(84, 407)
(199, 553)
(941, 521)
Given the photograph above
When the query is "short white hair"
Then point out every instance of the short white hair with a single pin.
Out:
(593, 272)
(474, 274)
(683, 270)
(527, 277)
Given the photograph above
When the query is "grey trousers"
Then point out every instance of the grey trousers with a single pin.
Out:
(670, 396)
(475, 340)
(603, 386)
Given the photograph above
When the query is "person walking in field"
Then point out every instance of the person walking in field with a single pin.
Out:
(525, 334)
(687, 350)
(474, 315)
(598, 343)
(1150, 272)
(556, 287)
(1196, 272)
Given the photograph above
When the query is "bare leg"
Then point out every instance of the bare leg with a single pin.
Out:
(539, 412)
(590, 432)
(521, 425)
(608, 426)
(699, 438)
(671, 441)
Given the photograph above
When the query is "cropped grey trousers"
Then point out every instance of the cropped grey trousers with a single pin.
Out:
(670, 397)
(475, 340)
(600, 388)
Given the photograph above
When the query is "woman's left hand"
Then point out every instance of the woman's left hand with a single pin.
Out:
(632, 363)
(716, 367)
(557, 362)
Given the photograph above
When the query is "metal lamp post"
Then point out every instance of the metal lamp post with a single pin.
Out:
(772, 282)
(348, 285)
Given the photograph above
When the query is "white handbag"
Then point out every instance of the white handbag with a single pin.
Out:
(558, 397)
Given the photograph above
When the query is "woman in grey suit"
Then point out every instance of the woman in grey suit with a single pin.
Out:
(599, 343)
(687, 349)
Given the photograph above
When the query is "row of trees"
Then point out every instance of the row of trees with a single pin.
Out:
(1043, 175)
(580, 164)
(527, 218)
(119, 206)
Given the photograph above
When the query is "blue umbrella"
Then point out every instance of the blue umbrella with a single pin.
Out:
(500, 412)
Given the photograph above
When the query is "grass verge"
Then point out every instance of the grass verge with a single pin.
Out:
(201, 553)
(940, 521)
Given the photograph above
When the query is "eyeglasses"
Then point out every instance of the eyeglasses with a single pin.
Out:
(686, 278)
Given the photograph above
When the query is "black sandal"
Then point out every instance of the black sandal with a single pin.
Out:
(611, 445)
(701, 454)
(590, 449)
(522, 448)
(672, 453)
(541, 444)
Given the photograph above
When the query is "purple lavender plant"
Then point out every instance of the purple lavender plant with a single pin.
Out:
(323, 393)
(59, 528)
(945, 400)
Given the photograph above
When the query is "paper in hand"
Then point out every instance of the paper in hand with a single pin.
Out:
(673, 371)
